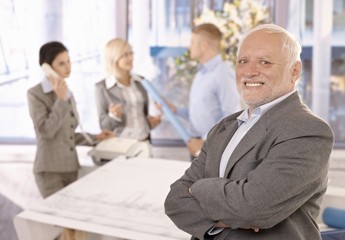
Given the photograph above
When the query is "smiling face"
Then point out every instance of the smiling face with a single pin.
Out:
(263, 72)
(62, 65)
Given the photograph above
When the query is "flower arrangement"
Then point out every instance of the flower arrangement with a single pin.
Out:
(233, 20)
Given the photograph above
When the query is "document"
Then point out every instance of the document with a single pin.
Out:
(113, 147)
(123, 195)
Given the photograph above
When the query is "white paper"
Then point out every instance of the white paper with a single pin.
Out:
(123, 194)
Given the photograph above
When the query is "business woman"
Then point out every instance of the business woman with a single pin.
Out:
(122, 101)
(55, 117)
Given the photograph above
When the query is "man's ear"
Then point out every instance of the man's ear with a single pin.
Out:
(296, 71)
(204, 43)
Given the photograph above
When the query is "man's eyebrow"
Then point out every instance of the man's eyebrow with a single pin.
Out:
(265, 56)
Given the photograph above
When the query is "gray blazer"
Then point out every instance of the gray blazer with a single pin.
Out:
(55, 122)
(275, 178)
(103, 99)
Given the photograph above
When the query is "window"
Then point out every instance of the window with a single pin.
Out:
(82, 36)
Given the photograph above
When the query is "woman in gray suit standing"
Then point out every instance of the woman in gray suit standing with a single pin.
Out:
(55, 117)
(122, 101)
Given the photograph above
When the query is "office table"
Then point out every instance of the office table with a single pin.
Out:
(122, 199)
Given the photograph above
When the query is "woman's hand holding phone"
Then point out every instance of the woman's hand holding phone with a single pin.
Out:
(58, 83)
(60, 87)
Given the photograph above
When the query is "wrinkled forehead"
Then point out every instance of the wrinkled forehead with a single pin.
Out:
(262, 41)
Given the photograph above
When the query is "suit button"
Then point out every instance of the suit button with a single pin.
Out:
(71, 149)
(72, 126)
(71, 137)
(72, 114)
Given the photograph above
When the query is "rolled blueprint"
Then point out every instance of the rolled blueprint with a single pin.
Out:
(167, 111)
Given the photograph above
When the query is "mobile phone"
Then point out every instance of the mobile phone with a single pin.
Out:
(49, 71)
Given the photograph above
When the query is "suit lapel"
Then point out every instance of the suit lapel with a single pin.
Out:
(51, 98)
(74, 109)
(246, 144)
(249, 141)
(219, 143)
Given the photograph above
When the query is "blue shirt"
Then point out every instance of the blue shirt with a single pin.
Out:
(213, 96)
(245, 123)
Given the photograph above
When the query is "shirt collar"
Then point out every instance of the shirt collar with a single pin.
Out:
(259, 111)
(46, 85)
(209, 65)
(111, 81)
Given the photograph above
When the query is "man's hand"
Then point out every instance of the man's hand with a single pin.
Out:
(194, 146)
(170, 105)
(223, 225)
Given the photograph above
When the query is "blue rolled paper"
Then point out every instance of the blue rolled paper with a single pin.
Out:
(166, 110)
(334, 217)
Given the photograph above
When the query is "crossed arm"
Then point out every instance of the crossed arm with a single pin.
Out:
(289, 173)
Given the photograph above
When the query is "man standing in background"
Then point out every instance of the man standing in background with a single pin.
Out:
(213, 94)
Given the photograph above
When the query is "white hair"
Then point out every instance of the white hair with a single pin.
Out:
(291, 46)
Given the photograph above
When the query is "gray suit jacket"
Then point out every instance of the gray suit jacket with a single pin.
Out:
(114, 95)
(55, 122)
(275, 178)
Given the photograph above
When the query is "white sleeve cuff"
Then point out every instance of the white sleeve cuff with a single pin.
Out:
(113, 116)
(214, 230)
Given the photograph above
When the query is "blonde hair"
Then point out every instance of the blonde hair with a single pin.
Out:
(113, 51)
(209, 31)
